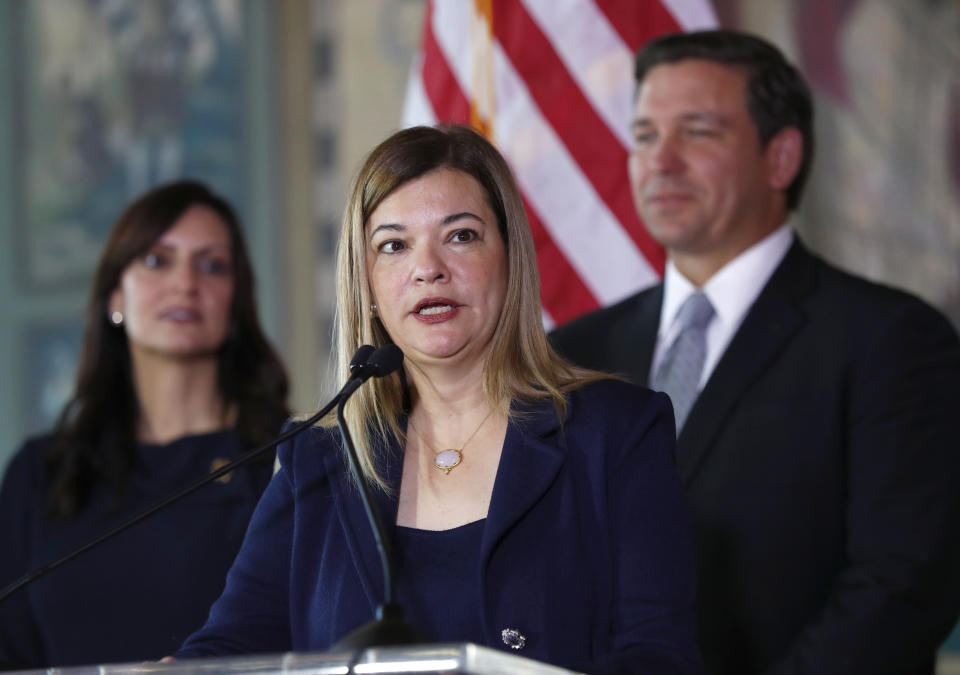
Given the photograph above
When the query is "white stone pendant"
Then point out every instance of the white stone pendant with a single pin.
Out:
(445, 460)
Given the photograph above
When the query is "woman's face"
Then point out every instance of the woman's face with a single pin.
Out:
(437, 267)
(175, 298)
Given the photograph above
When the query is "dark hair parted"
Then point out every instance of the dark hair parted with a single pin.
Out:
(95, 435)
(777, 94)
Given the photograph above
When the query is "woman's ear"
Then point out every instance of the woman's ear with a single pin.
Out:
(784, 155)
(115, 307)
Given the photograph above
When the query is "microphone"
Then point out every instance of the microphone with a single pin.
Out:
(384, 361)
(359, 371)
(360, 358)
(389, 627)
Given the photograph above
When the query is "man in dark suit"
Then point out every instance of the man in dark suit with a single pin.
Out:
(816, 410)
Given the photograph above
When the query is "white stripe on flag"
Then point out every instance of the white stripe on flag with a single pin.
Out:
(692, 14)
(548, 323)
(579, 221)
(417, 108)
(594, 54)
(451, 29)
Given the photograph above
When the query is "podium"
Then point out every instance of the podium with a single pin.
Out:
(449, 659)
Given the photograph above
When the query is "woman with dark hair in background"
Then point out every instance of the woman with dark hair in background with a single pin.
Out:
(175, 379)
(533, 506)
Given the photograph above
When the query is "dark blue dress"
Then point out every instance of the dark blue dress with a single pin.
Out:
(140, 594)
(436, 581)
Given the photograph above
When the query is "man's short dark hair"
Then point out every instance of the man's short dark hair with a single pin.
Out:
(777, 95)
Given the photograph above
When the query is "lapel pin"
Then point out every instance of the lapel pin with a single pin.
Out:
(513, 638)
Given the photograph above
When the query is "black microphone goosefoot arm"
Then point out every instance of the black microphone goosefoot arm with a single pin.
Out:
(356, 364)
(389, 627)
(376, 524)
(376, 363)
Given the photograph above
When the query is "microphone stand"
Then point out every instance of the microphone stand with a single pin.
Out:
(389, 628)
(357, 377)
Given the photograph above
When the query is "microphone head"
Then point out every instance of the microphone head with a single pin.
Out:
(360, 358)
(384, 361)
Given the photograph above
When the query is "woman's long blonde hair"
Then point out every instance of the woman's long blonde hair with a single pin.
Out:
(521, 364)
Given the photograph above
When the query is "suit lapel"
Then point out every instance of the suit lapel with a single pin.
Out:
(528, 465)
(769, 324)
(648, 317)
(356, 527)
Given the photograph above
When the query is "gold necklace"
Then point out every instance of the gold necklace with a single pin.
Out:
(449, 459)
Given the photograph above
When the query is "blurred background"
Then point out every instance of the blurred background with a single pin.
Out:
(275, 103)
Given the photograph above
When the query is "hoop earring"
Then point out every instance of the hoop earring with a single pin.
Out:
(116, 318)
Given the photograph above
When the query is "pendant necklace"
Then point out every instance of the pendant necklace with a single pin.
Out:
(451, 458)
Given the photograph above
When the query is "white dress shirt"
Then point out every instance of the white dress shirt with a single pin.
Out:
(731, 291)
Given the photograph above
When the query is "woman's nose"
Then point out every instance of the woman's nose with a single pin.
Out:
(429, 265)
(185, 276)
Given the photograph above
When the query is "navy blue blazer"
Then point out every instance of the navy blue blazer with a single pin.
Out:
(586, 548)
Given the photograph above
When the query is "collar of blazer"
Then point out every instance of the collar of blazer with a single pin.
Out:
(532, 457)
(769, 324)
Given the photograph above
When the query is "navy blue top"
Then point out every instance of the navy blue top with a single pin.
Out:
(437, 573)
(138, 595)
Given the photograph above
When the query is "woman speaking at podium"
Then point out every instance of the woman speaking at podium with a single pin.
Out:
(532, 506)
(175, 378)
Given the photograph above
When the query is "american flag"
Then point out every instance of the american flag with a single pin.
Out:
(550, 82)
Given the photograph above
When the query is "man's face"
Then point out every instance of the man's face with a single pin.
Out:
(700, 179)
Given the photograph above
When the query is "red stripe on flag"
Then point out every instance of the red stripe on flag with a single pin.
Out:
(562, 291)
(448, 100)
(599, 153)
(637, 22)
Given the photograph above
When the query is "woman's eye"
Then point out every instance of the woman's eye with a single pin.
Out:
(390, 246)
(154, 260)
(214, 266)
(465, 235)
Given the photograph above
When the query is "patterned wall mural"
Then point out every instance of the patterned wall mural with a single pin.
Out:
(884, 198)
(113, 98)
(107, 98)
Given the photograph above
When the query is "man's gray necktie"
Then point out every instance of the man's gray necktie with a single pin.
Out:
(679, 373)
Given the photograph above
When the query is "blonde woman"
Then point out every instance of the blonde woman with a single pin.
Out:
(533, 507)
